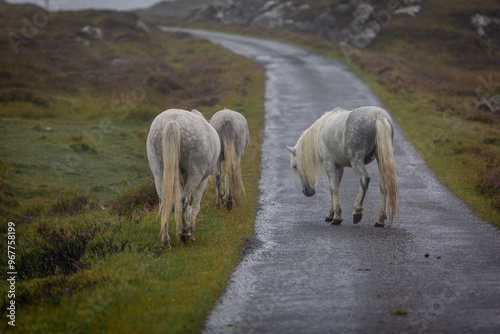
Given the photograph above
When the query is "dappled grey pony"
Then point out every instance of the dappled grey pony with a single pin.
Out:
(233, 132)
(183, 149)
(349, 138)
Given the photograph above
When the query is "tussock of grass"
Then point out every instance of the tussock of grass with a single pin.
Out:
(58, 250)
(143, 197)
(72, 205)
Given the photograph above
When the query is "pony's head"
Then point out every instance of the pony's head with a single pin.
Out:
(307, 185)
(198, 113)
(305, 160)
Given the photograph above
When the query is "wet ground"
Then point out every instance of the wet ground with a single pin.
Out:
(302, 275)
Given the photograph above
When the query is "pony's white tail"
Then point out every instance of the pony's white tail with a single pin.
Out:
(387, 169)
(171, 187)
(232, 164)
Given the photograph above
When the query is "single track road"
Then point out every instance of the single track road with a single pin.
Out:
(436, 270)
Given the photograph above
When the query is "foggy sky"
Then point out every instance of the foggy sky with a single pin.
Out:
(86, 4)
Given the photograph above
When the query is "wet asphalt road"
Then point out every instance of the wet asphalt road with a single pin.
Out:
(302, 275)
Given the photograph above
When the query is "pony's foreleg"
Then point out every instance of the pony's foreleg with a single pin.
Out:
(334, 173)
(364, 180)
(218, 182)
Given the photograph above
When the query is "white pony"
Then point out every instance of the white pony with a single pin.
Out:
(344, 138)
(232, 128)
(183, 149)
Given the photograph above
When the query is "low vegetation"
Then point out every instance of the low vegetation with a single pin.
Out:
(76, 104)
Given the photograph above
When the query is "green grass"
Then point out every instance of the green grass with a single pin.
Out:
(136, 285)
(75, 180)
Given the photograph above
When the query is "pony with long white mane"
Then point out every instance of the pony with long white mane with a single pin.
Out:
(349, 138)
(232, 128)
(182, 149)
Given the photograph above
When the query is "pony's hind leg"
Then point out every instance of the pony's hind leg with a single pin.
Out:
(334, 173)
(186, 234)
(191, 185)
(364, 180)
(228, 198)
(195, 206)
(382, 216)
(165, 238)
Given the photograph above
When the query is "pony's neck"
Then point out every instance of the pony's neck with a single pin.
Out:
(309, 160)
(310, 137)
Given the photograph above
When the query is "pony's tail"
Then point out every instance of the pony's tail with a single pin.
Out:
(387, 169)
(171, 187)
(232, 164)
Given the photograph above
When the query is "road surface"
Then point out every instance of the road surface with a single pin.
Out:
(303, 275)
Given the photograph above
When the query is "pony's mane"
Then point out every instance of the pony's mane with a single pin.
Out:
(308, 159)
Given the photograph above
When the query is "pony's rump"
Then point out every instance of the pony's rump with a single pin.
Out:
(232, 128)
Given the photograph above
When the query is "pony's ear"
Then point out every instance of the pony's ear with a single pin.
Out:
(196, 112)
(293, 150)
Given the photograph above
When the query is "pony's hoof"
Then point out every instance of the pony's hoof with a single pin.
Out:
(336, 222)
(186, 238)
(229, 205)
(328, 219)
(377, 224)
(166, 242)
(356, 218)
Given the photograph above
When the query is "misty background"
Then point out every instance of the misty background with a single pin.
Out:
(97, 4)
